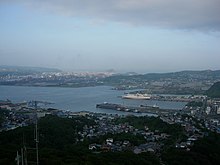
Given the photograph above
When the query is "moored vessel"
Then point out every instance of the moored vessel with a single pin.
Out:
(137, 96)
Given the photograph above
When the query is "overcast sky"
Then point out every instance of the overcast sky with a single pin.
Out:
(125, 35)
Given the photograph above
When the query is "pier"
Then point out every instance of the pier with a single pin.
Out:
(140, 109)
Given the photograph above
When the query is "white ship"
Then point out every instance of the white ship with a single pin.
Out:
(137, 96)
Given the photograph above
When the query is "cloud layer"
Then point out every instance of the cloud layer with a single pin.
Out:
(177, 14)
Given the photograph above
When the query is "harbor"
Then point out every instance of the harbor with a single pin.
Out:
(139, 95)
(79, 99)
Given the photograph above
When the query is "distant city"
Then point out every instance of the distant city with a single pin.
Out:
(183, 82)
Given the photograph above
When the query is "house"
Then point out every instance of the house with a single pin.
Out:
(109, 140)
(137, 150)
(92, 147)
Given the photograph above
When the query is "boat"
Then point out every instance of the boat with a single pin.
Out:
(137, 96)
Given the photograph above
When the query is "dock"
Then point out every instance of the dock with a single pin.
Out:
(140, 109)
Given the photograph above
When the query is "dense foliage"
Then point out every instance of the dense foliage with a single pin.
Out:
(206, 151)
(58, 145)
(154, 123)
(3, 113)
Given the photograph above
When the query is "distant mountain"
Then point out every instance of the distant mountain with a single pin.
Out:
(207, 74)
(23, 70)
(110, 71)
(130, 74)
(185, 74)
(214, 90)
(173, 77)
(27, 69)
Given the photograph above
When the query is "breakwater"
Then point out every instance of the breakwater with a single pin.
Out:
(136, 109)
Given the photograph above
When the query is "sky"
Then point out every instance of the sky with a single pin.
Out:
(125, 35)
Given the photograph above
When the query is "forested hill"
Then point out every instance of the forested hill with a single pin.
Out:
(183, 82)
(24, 70)
(214, 90)
(183, 75)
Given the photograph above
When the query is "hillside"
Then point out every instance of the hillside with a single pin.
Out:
(61, 143)
(58, 145)
(183, 82)
(23, 70)
(204, 74)
(214, 90)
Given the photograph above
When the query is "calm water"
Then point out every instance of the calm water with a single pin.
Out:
(77, 99)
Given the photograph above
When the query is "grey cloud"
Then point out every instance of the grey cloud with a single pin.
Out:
(177, 14)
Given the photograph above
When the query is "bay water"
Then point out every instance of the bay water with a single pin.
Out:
(78, 99)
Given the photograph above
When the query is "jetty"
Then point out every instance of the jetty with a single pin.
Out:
(137, 109)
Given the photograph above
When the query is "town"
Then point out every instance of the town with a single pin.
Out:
(184, 82)
(196, 118)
